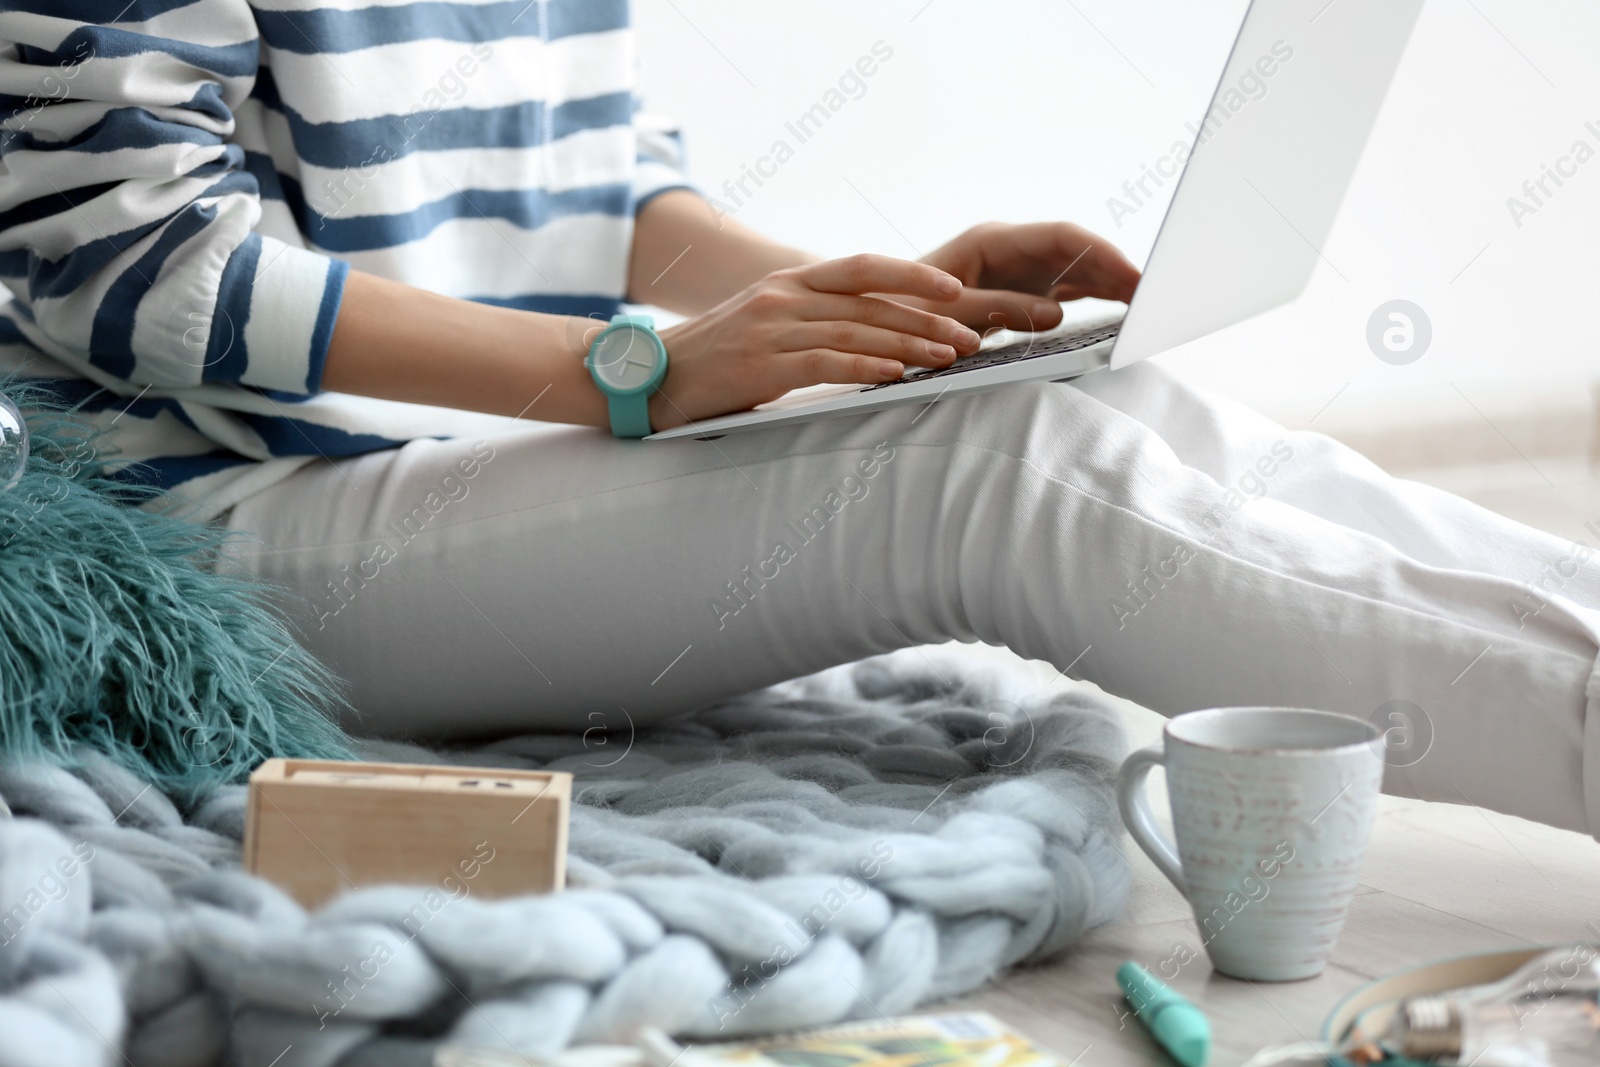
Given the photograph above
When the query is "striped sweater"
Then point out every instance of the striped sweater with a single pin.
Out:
(184, 188)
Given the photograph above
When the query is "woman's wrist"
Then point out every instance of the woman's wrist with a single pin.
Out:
(688, 258)
(553, 348)
(665, 414)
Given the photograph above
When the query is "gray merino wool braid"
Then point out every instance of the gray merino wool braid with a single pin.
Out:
(860, 842)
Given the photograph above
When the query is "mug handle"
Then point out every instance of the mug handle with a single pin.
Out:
(1136, 814)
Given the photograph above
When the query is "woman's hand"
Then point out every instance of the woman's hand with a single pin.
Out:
(1015, 276)
(805, 326)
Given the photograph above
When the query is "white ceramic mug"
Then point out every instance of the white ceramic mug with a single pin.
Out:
(1272, 809)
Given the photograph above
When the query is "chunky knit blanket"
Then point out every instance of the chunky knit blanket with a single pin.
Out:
(859, 842)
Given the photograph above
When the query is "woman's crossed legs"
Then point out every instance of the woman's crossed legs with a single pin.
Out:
(1174, 548)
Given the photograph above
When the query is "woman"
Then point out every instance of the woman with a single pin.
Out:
(239, 229)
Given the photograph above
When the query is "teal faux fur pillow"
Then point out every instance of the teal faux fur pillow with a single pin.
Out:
(115, 635)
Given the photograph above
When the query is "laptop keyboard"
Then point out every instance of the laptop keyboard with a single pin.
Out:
(1027, 348)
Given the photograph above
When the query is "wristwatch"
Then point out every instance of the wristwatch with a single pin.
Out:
(627, 362)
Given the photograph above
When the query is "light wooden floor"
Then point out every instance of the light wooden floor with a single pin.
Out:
(1440, 880)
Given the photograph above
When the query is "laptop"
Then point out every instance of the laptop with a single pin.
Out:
(1257, 191)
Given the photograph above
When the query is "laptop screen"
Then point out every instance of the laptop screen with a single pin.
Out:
(1269, 165)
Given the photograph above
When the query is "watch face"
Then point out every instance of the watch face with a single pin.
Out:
(625, 358)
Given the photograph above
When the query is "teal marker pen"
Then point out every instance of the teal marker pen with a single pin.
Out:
(1178, 1026)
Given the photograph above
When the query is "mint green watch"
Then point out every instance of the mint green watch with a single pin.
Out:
(627, 362)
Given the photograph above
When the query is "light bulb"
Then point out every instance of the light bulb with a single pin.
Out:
(13, 444)
(1545, 1014)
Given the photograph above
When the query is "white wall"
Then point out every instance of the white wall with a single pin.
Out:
(1034, 109)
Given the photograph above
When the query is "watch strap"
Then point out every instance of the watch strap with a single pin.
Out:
(630, 415)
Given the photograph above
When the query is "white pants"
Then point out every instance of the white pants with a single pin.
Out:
(1173, 547)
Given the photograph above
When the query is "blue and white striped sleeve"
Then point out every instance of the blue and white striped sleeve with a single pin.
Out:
(660, 158)
(126, 217)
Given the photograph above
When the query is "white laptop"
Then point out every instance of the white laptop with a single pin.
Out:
(1255, 200)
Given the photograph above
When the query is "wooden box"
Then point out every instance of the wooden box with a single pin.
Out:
(318, 828)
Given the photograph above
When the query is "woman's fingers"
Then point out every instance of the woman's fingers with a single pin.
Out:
(1078, 292)
(846, 336)
(889, 315)
(998, 309)
(820, 366)
(1077, 262)
(867, 273)
(1097, 267)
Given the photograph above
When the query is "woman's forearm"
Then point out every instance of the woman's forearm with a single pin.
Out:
(396, 342)
(688, 257)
